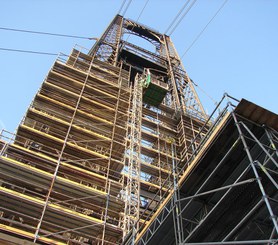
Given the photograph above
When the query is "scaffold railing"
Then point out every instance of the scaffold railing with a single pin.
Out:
(267, 166)
(207, 130)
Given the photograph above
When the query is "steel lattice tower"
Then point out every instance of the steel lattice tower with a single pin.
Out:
(116, 148)
(108, 124)
(176, 92)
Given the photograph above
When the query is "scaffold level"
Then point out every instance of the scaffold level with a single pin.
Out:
(116, 148)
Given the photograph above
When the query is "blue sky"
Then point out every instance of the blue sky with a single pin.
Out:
(238, 52)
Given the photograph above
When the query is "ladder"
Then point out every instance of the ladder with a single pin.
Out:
(133, 158)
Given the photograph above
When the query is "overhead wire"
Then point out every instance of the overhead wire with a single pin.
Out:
(46, 33)
(121, 8)
(40, 33)
(127, 7)
(194, 41)
(202, 31)
(185, 13)
(54, 34)
(28, 51)
(204, 92)
(177, 15)
(139, 16)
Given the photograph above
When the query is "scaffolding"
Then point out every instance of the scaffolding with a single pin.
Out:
(116, 148)
(93, 157)
(132, 194)
(227, 192)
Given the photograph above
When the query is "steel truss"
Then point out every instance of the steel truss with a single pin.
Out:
(95, 160)
(257, 171)
(181, 98)
(96, 152)
(183, 95)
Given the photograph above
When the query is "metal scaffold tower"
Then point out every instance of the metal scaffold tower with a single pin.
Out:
(167, 86)
(116, 148)
(132, 195)
(227, 192)
(113, 46)
(100, 145)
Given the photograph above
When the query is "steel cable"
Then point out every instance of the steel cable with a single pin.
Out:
(202, 31)
(186, 12)
(176, 17)
(46, 33)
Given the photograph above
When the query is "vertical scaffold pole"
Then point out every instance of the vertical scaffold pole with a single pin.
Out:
(270, 137)
(46, 202)
(176, 211)
(264, 196)
(106, 212)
